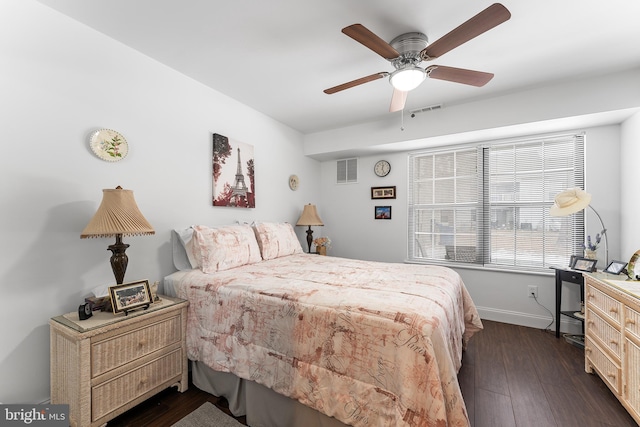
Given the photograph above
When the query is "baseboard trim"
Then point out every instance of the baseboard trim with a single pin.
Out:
(567, 324)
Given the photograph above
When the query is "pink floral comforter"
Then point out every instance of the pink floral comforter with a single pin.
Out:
(365, 342)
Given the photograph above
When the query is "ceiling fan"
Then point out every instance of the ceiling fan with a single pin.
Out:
(407, 51)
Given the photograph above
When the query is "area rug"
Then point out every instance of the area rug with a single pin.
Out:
(207, 415)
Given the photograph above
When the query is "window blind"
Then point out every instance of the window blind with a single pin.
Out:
(489, 204)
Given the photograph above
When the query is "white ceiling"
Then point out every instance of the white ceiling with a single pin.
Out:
(278, 56)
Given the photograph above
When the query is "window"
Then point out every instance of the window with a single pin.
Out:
(489, 204)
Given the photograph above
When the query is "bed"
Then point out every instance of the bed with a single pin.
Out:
(291, 338)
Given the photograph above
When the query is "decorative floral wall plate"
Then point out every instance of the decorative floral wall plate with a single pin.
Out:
(109, 145)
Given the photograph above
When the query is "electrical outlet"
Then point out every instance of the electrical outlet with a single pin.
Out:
(532, 291)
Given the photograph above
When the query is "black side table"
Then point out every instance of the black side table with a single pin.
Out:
(564, 274)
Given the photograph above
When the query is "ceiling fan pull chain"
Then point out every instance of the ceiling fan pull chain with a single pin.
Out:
(402, 119)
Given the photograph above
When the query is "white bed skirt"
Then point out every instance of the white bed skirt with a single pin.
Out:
(262, 406)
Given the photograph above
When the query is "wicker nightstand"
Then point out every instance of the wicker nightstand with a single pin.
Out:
(109, 363)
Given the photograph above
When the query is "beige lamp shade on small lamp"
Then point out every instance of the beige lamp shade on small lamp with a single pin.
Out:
(309, 217)
(118, 215)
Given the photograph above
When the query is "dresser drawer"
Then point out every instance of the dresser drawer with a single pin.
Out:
(609, 336)
(632, 321)
(117, 392)
(606, 304)
(118, 350)
(609, 371)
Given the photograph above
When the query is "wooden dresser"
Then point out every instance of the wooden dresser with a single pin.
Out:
(612, 336)
(109, 363)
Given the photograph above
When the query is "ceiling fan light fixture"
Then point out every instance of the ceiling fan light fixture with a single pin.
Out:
(407, 78)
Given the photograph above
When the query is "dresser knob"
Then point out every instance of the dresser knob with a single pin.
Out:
(143, 380)
(630, 321)
(613, 310)
(612, 376)
(142, 342)
(613, 342)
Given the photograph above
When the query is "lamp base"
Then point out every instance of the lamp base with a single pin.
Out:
(309, 238)
(119, 259)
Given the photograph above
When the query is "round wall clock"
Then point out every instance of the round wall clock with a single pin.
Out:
(294, 182)
(382, 168)
(108, 145)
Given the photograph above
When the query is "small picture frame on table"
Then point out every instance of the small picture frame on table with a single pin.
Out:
(573, 260)
(382, 212)
(585, 264)
(615, 267)
(383, 192)
(130, 296)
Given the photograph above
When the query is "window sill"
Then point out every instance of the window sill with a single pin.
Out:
(453, 266)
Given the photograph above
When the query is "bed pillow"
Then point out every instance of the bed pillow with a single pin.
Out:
(184, 249)
(226, 247)
(276, 239)
(180, 260)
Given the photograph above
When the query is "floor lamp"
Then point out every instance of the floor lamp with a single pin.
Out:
(574, 200)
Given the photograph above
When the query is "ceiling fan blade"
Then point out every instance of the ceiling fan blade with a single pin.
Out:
(364, 36)
(356, 82)
(397, 100)
(459, 75)
(489, 18)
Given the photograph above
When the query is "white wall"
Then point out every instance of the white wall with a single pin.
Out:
(61, 80)
(630, 200)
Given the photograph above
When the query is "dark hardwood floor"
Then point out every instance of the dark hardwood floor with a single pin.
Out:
(511, 376)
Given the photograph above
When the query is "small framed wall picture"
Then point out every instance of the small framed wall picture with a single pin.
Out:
(383, 192)
(382, 212)
(615, 267)
(130, 296)
(585, 264)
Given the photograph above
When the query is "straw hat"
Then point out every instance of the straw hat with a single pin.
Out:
(570, 201)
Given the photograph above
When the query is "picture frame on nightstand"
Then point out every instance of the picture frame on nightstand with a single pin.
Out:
(585, 264)
(572, 261)
(130, 296)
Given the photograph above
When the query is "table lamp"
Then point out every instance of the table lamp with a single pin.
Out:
(118, 215)
(309, 217)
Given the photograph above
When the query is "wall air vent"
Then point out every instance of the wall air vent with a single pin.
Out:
(424, 109)
(347, 171)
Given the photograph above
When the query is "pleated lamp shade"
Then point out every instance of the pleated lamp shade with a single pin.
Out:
(117, 214)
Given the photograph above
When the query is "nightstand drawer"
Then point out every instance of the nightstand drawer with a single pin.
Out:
(118, 350)
(571, 276)
(606, 304)
(113, 394)
(608, 369)
(609, 336)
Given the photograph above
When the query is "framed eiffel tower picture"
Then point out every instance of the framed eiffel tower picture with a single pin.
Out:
(233, 173)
